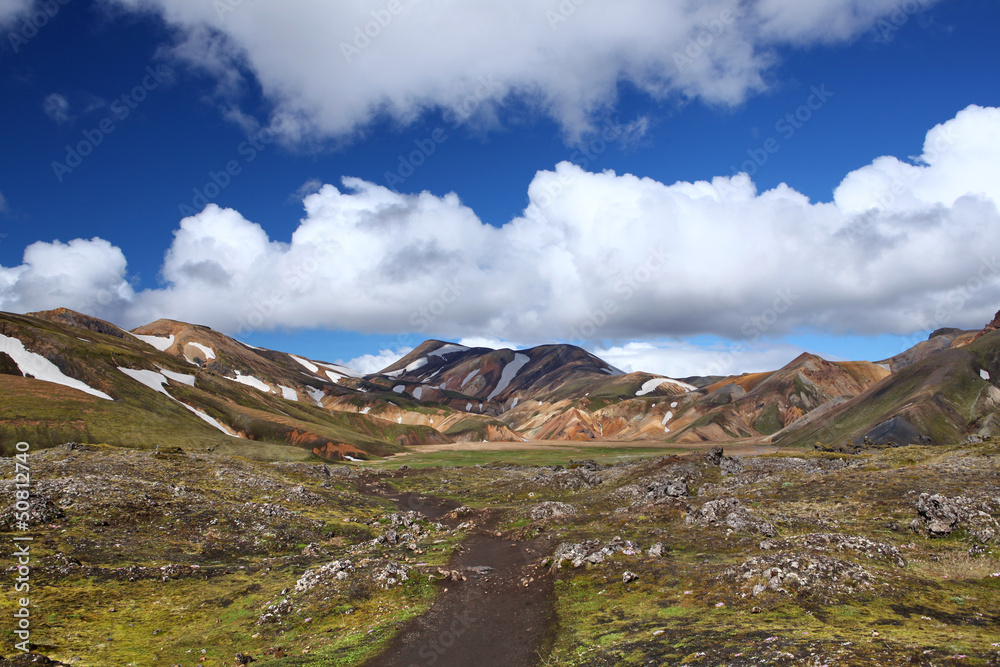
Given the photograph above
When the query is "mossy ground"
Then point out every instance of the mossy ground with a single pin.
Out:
(149, 510)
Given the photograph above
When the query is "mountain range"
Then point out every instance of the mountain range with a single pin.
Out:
(66, 376)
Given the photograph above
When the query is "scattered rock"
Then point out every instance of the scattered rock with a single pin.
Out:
(826, 542)
(551, 509)
(729, 512)
(656, 551)
(675, 488)
(941, 513)
(823, 577)
(338, 570)
(629, 576)
(592, 552)
(244, 659)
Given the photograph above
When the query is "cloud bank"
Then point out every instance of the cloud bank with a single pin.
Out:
(330, 68)
(903, 247)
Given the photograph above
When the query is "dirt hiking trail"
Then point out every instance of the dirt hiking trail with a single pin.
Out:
(500, 614)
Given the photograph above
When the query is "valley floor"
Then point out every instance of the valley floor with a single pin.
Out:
(191, 558)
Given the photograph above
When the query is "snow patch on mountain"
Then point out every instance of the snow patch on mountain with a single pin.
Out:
(161, 343)
(251, 381)
(340, 370)
(178, 377)
(651, 385)
(151, 379)
(316, 395)
(468, 378)
(510, 371)
(445, 350)
(415, 365)
(288, 393)
(208, 419)
(41, 368)
(209, 352)
(309, 366)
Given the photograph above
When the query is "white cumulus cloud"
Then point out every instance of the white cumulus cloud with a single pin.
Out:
(88, 276)
(373, 363)
(903, 247)
(329, 68)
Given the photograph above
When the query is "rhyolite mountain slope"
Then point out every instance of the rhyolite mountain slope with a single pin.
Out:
(68, 376)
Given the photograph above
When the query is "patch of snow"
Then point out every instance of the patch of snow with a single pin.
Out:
(352, 459)
(445, 350)
(985, 374)
(415, 365)
(334, 376)
(310, 366)
(209, 419)
(41, 368)
(432, 420)
(674, 404)
(84, 340)
(151, 379)
(399, 420)
(365, 410)
(666, 430)
(886, 367)
(651, 385)
(342, 370)
(667, 417)
(288, 393)
(161, 343)
(399, 388)
(316, 395)
(468, 378)
(394, 374)
(178, 377)
(209, 352)
(250, 346)
(468, 407)
(418, 392)
(510, 371)
(251, 381)
(514, 404)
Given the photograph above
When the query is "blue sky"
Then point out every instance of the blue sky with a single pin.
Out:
(187, 93)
